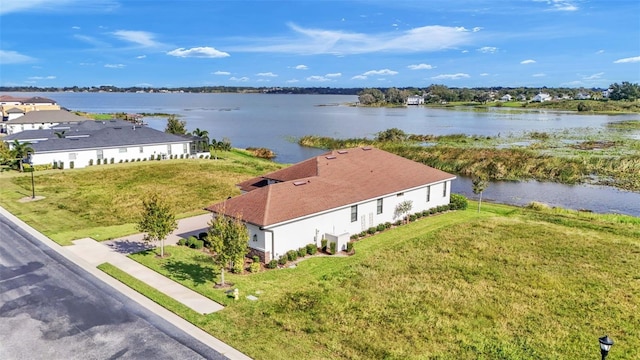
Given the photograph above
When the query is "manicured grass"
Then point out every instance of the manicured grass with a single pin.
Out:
(507, 283)
(103, 201)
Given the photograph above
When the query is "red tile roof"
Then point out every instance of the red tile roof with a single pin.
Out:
(329, 181)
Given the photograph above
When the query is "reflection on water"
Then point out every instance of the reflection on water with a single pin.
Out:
(599, 199)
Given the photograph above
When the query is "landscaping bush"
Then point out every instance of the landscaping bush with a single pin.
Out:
(425, 212)
(120, 162)
(380, 227)
(99, 162)
(412, 217)
(418, 215)
(349, 247)
(152, 157)
(354, 237)
(292, 255)
(254, 267)
(255, 258)
(397, 223)
(371, 230)
(182, 242)
(458, 202)
(333, 246)
(302, 252)
(90, 162)
(71, 164)
(55, 165)
(272, 264)
(112, 161)
(181, 156)
(201, 156)
(238, 266)
(387, 225)
(198, 244)
(144, 159)
(283, 260)
(323, 245)
(202, 235)
(312, 249)
(363, 234)
(61, 165)
(191, 241)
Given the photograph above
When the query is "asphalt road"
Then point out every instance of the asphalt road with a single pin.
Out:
(50, 308)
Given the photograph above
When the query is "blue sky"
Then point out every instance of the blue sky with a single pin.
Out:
(330, 43)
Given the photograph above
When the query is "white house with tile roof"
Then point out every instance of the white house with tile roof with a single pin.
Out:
(333, 196)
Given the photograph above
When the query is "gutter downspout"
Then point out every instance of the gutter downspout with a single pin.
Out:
(273, 254)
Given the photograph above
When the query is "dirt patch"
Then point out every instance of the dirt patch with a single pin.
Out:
(594, 145)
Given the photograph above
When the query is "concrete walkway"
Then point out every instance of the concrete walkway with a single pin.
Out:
(88, 253)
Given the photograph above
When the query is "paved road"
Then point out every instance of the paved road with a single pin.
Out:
(50, 308)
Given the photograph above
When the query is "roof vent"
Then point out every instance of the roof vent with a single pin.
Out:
(330, 157)
(299, 183)
(342, 151)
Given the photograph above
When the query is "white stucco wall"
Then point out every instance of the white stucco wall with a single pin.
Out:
(292, 235)
(81, 158)
(16, 128)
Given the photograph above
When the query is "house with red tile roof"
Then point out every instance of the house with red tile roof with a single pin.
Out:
(332, 196)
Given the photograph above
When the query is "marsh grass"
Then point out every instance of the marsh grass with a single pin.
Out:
(508, 283)
(104, 201)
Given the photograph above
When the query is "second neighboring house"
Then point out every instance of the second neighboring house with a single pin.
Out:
(37, 120)
(92, 142)
(415, 100)
(332, 196)
(541, 97)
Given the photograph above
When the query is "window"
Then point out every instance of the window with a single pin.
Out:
(99, 154)
(122, 150)
(72, 156)
(141, 149)
(185, 148)
(169, 149)
(354, 213)
(255, 237)
(444, 189)
(379, 206)
(428, 193)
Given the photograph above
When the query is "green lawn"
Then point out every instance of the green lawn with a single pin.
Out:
(104, 201)
(507, 283)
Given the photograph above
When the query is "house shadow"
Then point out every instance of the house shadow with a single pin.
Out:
(197, 273)
(126, 246)
(185, 235)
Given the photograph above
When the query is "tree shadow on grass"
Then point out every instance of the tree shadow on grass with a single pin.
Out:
(189, 271)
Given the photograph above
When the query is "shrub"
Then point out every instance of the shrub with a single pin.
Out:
(55, 165)
(273, 264)
(202, 235)
(182, 242)
(458, 202)
(61, 165)
(333, 247)
(362, 234)
(126, 160)
(387, 225)
(412, 217)
(152, 157)
(99, 161)
(397, 223)
(181, 156)
(201, 156)
(354, 237)
(254, 267)
(71, 164)
(283, 260)
(190, 241)
(238, 266)
(418, 214)
(292, 255)
(425, 212)
(198, 244)
(380, 227)
(323, 244)
(371, 230)
(90, 162)
(302, 252)
(311, 249)
(144, 159)
(349, 247)
(112, 161)
(120, 162)
(255, 258)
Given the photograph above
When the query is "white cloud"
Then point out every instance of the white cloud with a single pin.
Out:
(484, 74)
(421, 67)
(198, 52)
(301, 67)
(488, 49)
(114, 66)
(267, 74)
(451, 76)
(593, 77)
(242, 79)
(142, 38)
(380, 72)
(50, 77)
(560, 5)
(359, 77)
(292, 81)
(476, 29)
(91, 40)
(600, 52)
(539, 75)
(141, 57)
(628, 60)
(221, 73)
(333, 75)
(317, 78)
(75, 27)
(465, 51)
(321, 41)
(13, 57)
(529, 61)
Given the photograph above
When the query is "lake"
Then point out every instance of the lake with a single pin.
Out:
(275, 121)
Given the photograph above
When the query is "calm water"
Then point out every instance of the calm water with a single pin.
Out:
(272, 121)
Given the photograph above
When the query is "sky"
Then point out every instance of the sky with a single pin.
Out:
(319, 43)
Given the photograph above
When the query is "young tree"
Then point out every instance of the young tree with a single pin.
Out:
(20, 151)
(479, 185)
(403, 208)
(175, 126)
(158, 220)
(228, 237)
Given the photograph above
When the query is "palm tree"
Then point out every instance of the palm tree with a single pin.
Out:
(20, 151)
(204, 137)
(60, 134)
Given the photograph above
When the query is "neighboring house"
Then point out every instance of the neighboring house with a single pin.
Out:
(36, 103)
(582, 96)
(332, 196)
(521, 97)
(105, 141)
(505, 97)
(606, 93)
(541, 97)
(43, 119)
(415, 100)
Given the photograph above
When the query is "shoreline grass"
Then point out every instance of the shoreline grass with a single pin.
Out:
(507, 282)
